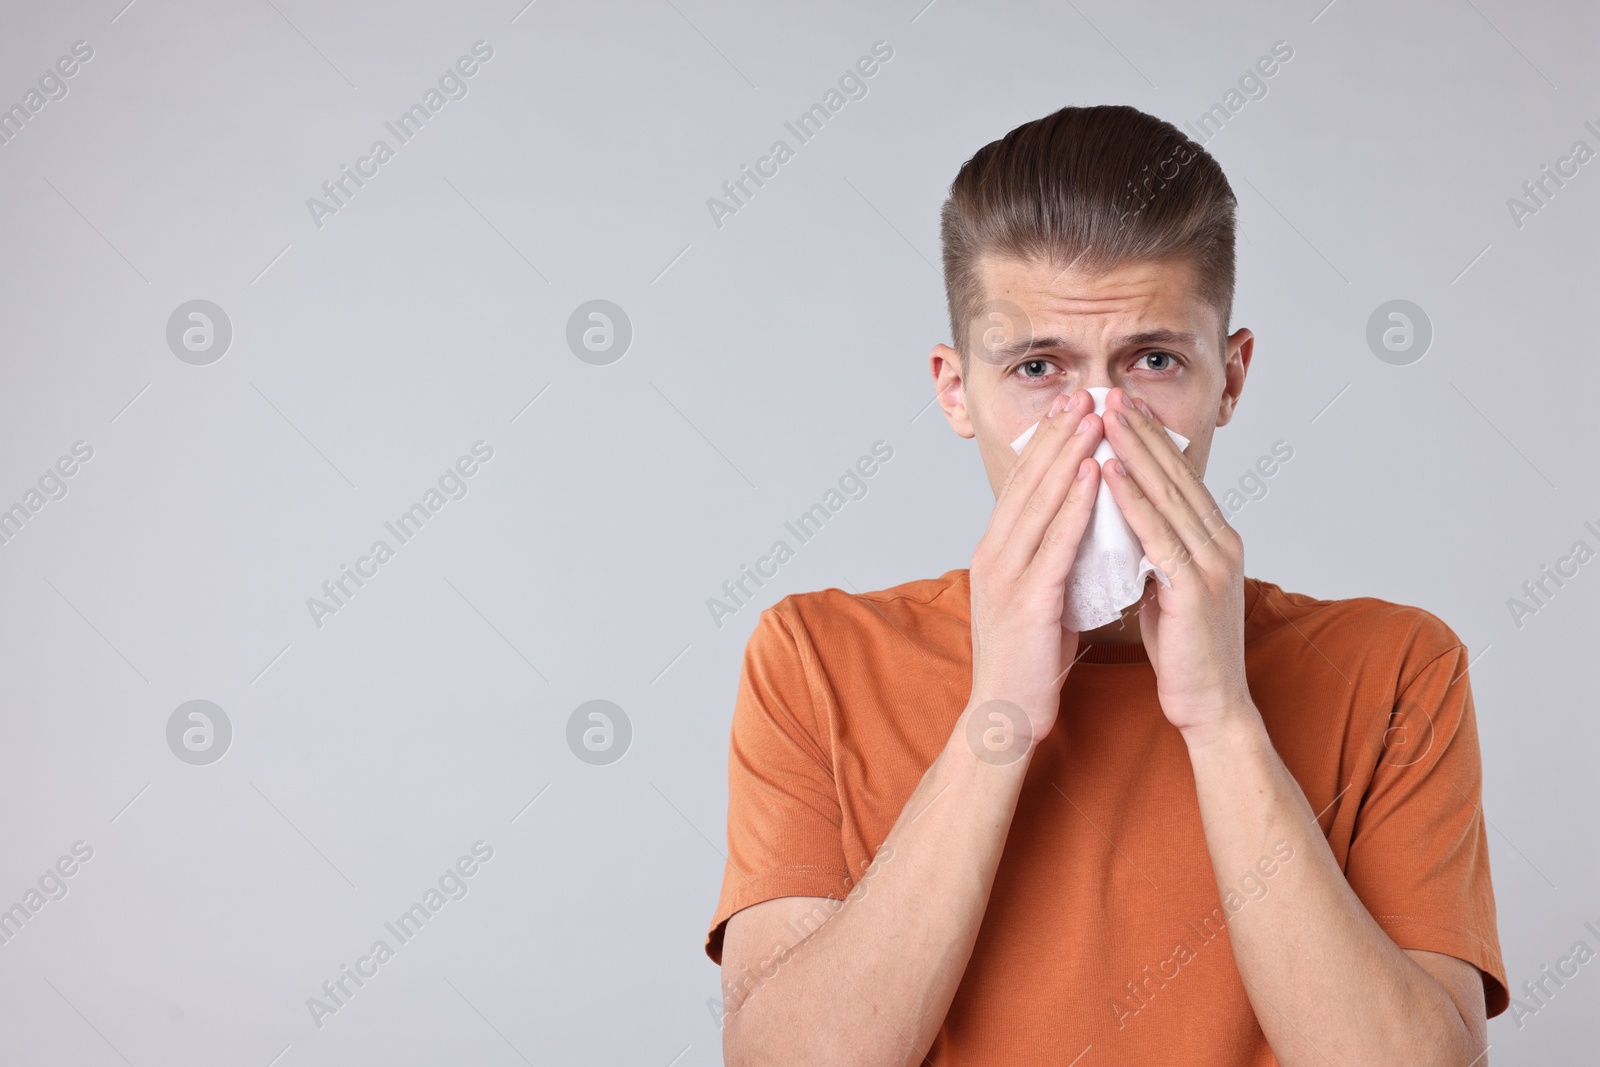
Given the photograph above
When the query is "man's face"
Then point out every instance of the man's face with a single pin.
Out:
(1141, 327)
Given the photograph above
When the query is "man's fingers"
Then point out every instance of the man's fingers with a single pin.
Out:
(1163, 499)
(1076, 435)
(1059, 544)
(1022, 477)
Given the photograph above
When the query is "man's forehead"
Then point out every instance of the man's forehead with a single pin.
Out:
(1153, 286)
(1142, 302)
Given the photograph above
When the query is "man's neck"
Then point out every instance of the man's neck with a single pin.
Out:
(1121, 631)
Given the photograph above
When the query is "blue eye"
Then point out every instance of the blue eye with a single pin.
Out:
(1158, 355)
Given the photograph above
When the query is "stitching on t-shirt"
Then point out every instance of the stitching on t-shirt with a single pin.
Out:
(884, 595)
(1378, 722)
(879, 595)
(1483, 944)
(818, 753)
(769, 872)
(1457, 647)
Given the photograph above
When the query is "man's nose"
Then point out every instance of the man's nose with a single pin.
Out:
(1096, 380)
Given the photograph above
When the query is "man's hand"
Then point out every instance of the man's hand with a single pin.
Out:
(1020, 652)
(1194, 631)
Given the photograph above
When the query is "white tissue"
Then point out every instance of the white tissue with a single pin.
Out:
(1111, 567)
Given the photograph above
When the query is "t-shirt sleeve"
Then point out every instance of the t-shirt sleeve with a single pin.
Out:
(1419, 857)
(783, 804)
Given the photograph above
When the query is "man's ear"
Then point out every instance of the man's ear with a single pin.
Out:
(949, 389)
(1236, 363)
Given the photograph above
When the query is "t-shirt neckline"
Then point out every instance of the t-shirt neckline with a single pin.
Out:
(1132, 652)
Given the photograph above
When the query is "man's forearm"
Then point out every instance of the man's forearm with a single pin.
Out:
(1327, 984)
(873, 984)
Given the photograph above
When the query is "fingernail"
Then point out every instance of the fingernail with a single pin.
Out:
(1145, 408)
(1083, 427)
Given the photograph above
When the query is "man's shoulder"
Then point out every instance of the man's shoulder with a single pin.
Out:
(923, 609)
(1367, 622)
(947, 593)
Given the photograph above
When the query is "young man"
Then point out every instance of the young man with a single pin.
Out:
(1236, 826)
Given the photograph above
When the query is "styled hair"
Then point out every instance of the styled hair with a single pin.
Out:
(1092, 188)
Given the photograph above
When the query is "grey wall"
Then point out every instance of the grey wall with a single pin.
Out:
(372, 347)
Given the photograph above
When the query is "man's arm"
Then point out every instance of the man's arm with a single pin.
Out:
(1328, 985)
(874, 981)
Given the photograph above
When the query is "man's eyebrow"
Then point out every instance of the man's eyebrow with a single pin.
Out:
(1160, 336)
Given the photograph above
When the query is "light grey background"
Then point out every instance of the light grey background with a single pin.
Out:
(768, 354)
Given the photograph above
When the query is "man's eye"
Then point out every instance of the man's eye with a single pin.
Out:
(1158, 355)
(1043, 366)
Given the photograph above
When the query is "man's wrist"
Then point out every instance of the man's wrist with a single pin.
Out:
(1238, 729)
(996, 732)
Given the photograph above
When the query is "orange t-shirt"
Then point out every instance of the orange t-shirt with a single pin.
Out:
(1105, 927)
